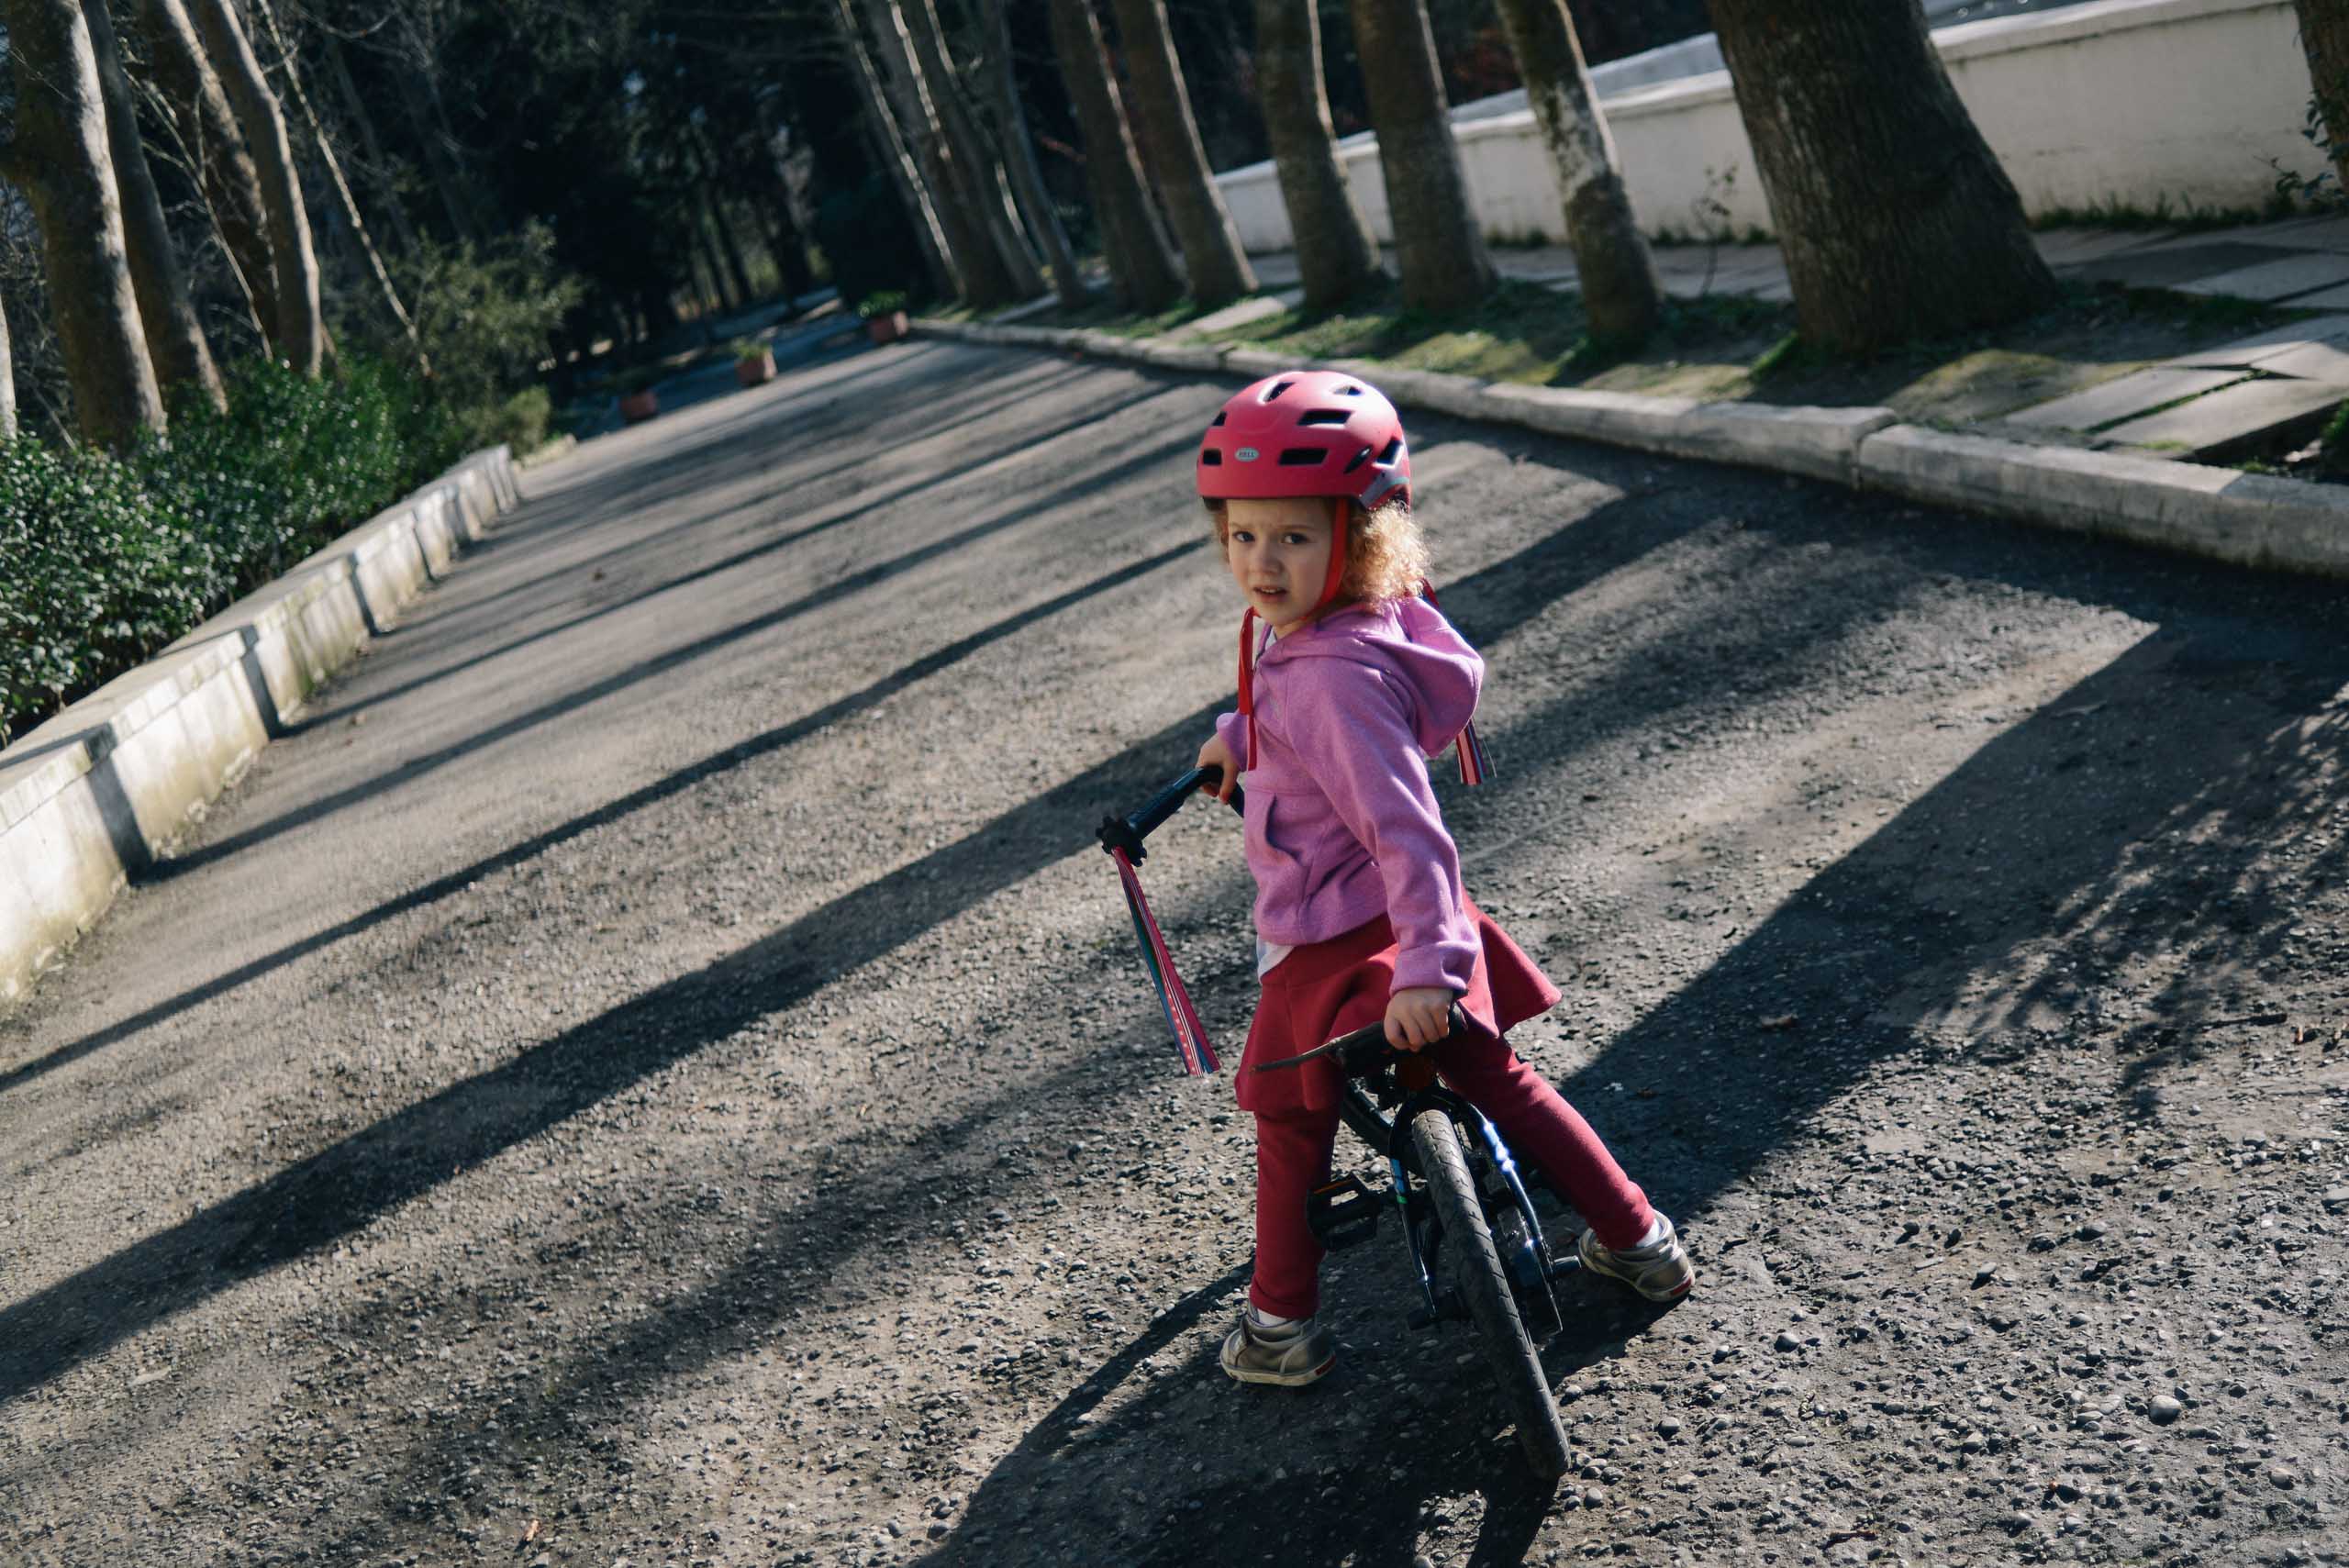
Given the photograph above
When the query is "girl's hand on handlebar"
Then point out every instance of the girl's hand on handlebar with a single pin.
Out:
(1216, 754)
(1418, 1016)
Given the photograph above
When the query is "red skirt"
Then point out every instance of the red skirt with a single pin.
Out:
(1327, 989)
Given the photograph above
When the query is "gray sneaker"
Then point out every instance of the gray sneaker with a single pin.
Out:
(1660, 1271)
(1290, 1356)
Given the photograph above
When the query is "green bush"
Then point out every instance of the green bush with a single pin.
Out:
(883, 302)
(522, 422)
(486, 315)
(100, 570)
(106, 561)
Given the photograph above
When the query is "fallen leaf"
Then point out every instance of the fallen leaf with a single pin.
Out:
(537, 1528)
(1783, 1021)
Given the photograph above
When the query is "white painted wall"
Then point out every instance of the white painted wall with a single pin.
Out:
(2123, 101)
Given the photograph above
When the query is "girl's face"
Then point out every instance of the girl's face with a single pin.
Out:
(1279, 554)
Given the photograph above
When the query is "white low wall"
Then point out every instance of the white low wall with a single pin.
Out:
(100, 789)
(2135, 102)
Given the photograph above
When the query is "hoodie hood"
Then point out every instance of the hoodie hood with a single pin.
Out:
(1410, 641)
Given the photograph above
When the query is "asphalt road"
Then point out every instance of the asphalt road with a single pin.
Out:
(654, 1070)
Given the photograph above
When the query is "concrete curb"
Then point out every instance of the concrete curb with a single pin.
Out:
(2251, 519)
(103, 787)
(2286, 525)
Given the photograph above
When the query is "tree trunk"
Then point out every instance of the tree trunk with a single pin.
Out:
(890, 150)
(301, 330)
(58, 156)
(1211, 255)
(990, 197)
(7, 384)
(1140, 262)
(1438, 247)
(1027, 180)
(341, 186)
(1335, 253)
(789, 247)
(2324, 38)
(1619, 289)
(986, 281)
(175, 344)
(224, 165)
(1896, 219)
(356, 107)
(730, 249)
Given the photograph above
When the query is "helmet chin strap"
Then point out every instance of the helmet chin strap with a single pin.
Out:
(1340, 527)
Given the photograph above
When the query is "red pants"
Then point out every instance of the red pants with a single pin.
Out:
(1326, 990)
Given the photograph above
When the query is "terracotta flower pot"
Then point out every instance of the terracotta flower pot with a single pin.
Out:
(638, 407)
(888, 329)
(755, 373)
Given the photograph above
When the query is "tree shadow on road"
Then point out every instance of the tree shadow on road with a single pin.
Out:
(324, 1198)
(1866, 956)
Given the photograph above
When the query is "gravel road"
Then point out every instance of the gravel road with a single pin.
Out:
(655, 1070)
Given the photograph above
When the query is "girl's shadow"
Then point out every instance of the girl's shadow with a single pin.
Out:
(1157, 1459)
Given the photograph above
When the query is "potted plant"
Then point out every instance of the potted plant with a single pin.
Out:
(753, 361)
(638, 402)
(884, 315)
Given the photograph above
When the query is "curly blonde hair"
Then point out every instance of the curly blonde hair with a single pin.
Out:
(1387, 555)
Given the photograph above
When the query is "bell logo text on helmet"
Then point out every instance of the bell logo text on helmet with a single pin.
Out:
(1247, 454)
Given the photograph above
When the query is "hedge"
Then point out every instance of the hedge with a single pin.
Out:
(104, 560)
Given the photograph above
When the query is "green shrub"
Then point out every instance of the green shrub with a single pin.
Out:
(107, 561)
(100, 570)
(883, 302)
(522, 422)
(486, 315)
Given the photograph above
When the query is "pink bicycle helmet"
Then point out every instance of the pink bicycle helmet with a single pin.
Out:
(1306, 433)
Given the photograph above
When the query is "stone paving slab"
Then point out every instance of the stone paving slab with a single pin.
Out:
(2118, 399)
(2261, 346)
(2311, 362)
(2173, 266)
(2326, 299)
(2236, 417)
(1254, 308)
(2279, 279)
(2293, 234)
(2066, 247)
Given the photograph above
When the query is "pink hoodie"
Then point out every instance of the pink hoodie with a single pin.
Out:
(1342, 826)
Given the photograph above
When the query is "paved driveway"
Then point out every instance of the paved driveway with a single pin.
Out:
(652, 1070)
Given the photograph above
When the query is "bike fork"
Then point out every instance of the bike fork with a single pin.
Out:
(1539, 1264)
(1427, 1315)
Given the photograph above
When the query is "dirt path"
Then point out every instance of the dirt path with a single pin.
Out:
(655, 1066)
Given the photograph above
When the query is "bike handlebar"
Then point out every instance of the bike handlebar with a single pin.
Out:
(1364, 1050)
(1128, 832)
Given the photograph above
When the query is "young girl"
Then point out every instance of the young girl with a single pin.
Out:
(1349, 682)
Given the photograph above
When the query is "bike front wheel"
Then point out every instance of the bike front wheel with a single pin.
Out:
(1476, 1274)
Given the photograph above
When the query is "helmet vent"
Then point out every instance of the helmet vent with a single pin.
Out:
(1394, 449)
(1217, 421)
(1359, 458)
(1209, 457)
(1303, 457)
(1325, 417)
(1350, 391)
(1276, 389)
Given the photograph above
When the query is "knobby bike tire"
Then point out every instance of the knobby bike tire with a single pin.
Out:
(1476, 1272)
